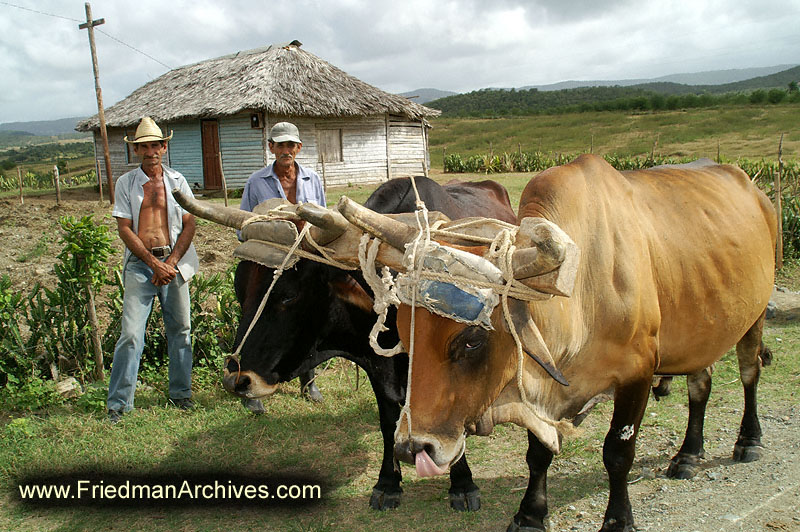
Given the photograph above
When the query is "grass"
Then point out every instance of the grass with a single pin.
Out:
(337, 444)
(738, 131)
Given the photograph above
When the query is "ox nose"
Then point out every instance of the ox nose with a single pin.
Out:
(406, 450)
(235, 384)
(233, 380)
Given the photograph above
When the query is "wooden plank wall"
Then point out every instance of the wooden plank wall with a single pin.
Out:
(408, 150)
(185, 151)
(241, 147)
(117, 151)
(363, 149)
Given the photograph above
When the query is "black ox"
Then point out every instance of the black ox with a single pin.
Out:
(316, 312)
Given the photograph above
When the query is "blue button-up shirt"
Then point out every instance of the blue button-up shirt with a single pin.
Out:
(264, 184)
(128, 198)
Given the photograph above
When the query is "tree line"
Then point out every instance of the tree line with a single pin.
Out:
(490, 103)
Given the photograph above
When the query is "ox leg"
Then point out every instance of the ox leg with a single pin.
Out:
(630, 401)
(750, 351)
(684, 464)
(464, 493)
(387, 491)
(533, 508)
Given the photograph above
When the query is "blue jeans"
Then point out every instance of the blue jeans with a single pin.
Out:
(136, 305)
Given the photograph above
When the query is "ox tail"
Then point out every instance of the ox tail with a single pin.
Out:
(765, 354)
(662, 386)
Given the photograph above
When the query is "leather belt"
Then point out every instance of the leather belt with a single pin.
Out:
(161, 251)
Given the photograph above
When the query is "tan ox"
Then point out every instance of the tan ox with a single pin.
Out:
(676, 267)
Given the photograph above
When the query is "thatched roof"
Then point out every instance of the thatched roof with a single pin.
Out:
(279, 79)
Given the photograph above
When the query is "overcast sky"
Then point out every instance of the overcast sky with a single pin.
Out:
(458, 45)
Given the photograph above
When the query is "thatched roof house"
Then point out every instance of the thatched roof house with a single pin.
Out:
(352, 132)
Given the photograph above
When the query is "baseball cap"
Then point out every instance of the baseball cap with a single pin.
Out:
(284, 132)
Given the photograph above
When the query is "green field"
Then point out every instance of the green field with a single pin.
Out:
(737, 131)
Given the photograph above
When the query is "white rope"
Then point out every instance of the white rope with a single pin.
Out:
(424, 229)
(384, 294)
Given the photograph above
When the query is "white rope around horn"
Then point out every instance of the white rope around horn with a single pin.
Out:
(384, 294)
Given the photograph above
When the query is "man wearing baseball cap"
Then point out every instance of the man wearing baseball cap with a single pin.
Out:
(159, 261)
(284, 178)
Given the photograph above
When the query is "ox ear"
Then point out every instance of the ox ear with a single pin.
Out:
(532, 342)
(348, 290)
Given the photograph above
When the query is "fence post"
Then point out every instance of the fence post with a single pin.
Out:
(57, 183)
(19, 176)
(779, 208)
(224, 182)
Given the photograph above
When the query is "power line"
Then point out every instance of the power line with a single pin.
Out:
(81, 21)
(135, 49)
(40, 12)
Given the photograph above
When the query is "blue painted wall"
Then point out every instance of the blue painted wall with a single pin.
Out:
(241, 147)
(186, 151)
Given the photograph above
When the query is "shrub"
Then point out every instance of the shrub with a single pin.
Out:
(59, 319)
(15, 362)
(776, 95)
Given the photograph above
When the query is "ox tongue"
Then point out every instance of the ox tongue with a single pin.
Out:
(427, 467)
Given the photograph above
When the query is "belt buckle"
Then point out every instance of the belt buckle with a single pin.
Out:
(160, 251)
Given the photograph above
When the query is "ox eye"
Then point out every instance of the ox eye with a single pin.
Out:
(468, 344)
(288, 299)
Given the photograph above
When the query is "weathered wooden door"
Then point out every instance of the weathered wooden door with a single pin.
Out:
(212, 178)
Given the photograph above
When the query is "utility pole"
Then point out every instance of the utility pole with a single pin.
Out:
(90, 24)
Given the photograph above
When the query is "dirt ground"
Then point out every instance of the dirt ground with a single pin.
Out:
(30, 234)
(725, 496)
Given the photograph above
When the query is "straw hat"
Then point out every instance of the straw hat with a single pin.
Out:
(147, 131)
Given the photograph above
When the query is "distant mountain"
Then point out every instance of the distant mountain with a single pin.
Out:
(64, 126)
(711, 77)
(651, 95)
(423, 96)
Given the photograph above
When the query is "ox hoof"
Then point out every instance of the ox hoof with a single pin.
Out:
(380, 500)
(312, 393)
(254, 405)
(515, 527)
(681, 471)
(683, 466)
(466, 502)
(747, 453)
(612, 525)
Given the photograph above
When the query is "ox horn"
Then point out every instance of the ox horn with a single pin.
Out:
(547, 258)
(394, 233)
(222, 215)
(328, 223)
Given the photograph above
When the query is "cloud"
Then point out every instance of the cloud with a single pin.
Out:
(457, 45)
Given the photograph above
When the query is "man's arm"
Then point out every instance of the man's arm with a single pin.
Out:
(163, 273)
(184, 240)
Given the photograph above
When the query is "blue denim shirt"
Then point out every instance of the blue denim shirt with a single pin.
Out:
(128, 197)
(264, 184)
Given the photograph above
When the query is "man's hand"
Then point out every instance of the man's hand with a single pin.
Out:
(163, 273)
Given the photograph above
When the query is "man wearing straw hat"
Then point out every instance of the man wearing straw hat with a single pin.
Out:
(159, 261)
(284, 178)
